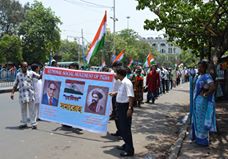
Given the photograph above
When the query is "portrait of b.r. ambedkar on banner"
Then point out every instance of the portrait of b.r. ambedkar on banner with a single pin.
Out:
(51, 93)
(96, 100)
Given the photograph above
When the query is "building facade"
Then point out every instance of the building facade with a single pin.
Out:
(162, 45)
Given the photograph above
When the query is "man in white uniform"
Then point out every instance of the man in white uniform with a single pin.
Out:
(124, 104)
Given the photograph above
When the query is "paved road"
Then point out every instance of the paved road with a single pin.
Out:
(154, 129)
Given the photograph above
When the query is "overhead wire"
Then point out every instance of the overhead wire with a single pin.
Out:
(87, 3)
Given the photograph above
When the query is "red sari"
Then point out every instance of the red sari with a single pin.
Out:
(153, 81)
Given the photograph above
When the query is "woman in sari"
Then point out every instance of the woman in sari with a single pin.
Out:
(203, 116)
(138, 88)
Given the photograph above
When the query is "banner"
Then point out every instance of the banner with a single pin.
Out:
(76, 98)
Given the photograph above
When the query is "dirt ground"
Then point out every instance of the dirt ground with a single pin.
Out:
(218, 148)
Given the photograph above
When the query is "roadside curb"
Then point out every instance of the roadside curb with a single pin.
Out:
(7, 90)
(175, 149)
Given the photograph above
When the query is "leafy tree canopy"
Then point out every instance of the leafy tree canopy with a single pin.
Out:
(11, 15)
(195, 24)
(10, 49)
(40, 33)
(127, 39)
(69, 50)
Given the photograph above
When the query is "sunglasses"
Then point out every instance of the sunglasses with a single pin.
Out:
(53, 89)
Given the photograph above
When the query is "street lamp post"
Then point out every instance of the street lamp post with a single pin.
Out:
(114, 24)
(128, 17)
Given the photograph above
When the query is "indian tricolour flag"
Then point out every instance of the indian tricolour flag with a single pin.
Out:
(98, 40)
(130, 63)
(120, 56)
(149, 60)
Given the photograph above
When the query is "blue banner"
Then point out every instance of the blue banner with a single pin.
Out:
(76, 98)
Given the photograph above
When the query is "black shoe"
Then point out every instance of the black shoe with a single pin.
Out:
(121, 147)
(112, 118)
(125, 154)
(147, 102)
(66, 126)
(78, 129)
(23, 126)
(115, 134)
(34, 127)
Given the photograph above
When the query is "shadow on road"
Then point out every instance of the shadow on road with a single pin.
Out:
(218, 141)
(159, 121)
(14, 128)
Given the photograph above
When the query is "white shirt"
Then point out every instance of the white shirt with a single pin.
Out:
(125, 91)
(37, 84)
(164, 74)
(117, 84)
(25, 83)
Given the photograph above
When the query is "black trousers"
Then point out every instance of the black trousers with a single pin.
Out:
(167, 85)
(151, 96)
(125, 126)
(114, 113)
(163, 85)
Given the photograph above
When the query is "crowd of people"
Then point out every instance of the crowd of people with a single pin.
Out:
(128, 92)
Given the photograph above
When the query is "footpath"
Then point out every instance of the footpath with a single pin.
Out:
(6, 87)
(218, 148)
(156, 127)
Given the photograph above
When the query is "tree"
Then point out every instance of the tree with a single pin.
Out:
(10, 49)
(188, 59)
(127, 39)
(167, 60)
(135, 47)
(11, 15)
(69, 50)
(40, 33)
(194, 24)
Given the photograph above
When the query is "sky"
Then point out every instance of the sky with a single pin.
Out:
(78, 14)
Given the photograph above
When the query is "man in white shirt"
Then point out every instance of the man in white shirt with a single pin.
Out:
(117, 84)
(37, 84)
(124, 104)
(24, 80)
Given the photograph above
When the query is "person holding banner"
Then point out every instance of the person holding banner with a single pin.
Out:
(37, 84)
(26, 94)
(117, 84)
(124, 104)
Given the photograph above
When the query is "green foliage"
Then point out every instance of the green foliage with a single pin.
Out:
(10, 49)
(167, 60)
(195, 24)
(127, 39)
(40, 33)
(188, 59)
(69, 50)
(11, 14)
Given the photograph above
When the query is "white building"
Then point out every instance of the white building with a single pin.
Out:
(162, 45)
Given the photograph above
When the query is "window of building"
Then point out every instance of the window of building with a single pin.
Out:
(154, 44)
(163, 51)
(170, 50)
(162, 44)
(174, 50)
